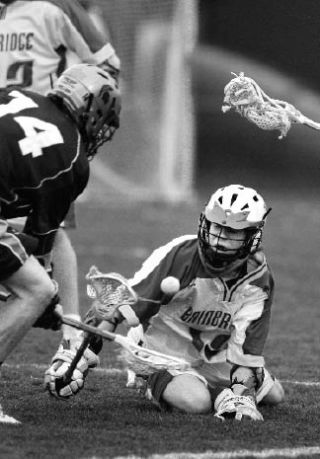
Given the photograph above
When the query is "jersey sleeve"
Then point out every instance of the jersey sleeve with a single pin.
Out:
(251, 325)
(160, 264)
(69, 25)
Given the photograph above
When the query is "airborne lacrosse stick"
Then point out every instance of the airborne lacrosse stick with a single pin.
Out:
(246, 97)
(141, 360)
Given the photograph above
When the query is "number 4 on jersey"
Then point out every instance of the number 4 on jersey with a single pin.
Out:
(38, 134)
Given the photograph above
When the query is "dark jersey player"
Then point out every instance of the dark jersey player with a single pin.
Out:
(46, 144)
(38, 41)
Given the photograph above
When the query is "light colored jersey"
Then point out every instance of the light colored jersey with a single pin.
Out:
(35, 37)
(210, 319)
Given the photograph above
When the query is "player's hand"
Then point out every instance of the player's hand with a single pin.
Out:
(51, 318)
(112, 66)
(246, 408)
(227, 404)
(53, 379)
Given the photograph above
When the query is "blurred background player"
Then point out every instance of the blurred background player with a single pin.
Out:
(219, 318)
(37, 40)
(47, 142)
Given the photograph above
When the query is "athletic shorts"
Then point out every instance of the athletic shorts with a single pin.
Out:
(70, 218)
(69, 221)
(12, 255)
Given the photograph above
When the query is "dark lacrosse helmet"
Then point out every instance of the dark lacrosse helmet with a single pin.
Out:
(92, 98)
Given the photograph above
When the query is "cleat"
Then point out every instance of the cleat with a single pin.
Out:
(5, 419)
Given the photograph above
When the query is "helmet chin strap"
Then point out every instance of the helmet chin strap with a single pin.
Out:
(230, 270)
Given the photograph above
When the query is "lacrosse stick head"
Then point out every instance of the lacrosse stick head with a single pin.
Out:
(241, 92)
(111, 291)
(245, 96)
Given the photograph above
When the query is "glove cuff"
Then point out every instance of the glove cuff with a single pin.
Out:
(67, 350)
(223, 397)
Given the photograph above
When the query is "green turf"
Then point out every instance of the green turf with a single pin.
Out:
(106, 420)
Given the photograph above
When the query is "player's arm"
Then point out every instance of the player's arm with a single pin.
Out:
(239, 401)
(72, 27)
(245, 353)
(171, 259)
(251, 325)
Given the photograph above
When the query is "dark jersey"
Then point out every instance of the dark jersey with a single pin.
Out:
(43, 165)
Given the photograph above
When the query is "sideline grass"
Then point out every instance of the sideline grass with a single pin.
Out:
(106, 420)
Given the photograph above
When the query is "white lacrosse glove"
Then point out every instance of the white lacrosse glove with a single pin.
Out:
(237, 406)
(112, 64)
(60, 364)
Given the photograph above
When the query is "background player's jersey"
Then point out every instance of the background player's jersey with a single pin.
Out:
(35, 36)
(43, 166)
(209, 319)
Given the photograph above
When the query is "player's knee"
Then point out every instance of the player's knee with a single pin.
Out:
(31, 283)
(41, 289)
(62, 245)
(197, 403)
(183, 392)
(44, 293)
(275, 395)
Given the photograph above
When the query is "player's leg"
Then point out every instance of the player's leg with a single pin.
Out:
(184, 391)
(65, 272)
(31, 292)
(270, 390)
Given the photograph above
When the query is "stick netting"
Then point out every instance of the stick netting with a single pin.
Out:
(245, 96)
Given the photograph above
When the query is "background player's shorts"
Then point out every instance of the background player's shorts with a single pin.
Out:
(70, 218)
(69, 221)
(12, 255)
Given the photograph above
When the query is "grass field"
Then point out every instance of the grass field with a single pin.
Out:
(107, 420)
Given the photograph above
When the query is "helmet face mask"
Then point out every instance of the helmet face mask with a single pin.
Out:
(92, 98)
(230, 228)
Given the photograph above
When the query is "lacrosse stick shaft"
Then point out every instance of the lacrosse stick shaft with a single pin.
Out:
(308, 122)
(67, 377)
(89, 328)
(89, 332)
(110, 336)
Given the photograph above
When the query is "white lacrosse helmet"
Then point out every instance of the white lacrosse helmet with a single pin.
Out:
(230, 227)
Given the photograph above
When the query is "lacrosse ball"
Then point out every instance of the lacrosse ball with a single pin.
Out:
(170, 285)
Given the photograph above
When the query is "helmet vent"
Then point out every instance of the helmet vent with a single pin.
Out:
(246, 206)
(220, 199)
(233, 198)
(255, 198)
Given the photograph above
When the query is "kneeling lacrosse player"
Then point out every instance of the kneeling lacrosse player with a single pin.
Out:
(206, 299)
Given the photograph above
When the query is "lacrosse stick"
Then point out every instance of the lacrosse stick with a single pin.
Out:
(246, 97)
(140, 360)
(110, 292)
